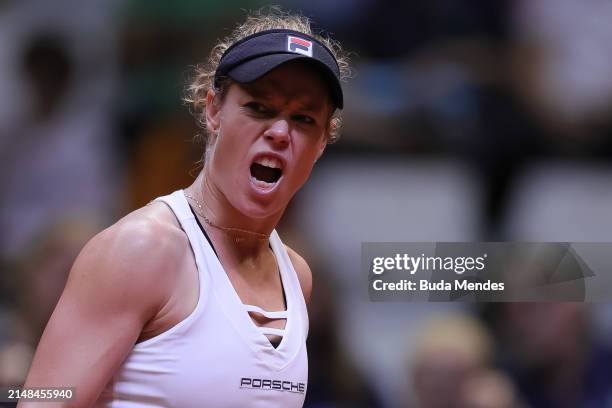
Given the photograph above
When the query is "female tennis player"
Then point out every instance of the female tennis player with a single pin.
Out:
(193, 300)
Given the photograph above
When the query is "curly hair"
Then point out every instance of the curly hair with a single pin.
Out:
(267, 18)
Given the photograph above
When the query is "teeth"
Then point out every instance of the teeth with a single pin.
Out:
(269, 162)
(262, 184)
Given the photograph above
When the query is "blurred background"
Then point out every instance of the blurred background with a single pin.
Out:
(466, 120)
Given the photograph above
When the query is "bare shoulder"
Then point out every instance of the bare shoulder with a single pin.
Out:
(138, 250)
(152, 229)
(119, 281)
(303, 272)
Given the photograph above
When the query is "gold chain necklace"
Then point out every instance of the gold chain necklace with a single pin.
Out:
(207, 220)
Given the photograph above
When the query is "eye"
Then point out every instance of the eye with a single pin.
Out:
(257, 108)
(308, 120)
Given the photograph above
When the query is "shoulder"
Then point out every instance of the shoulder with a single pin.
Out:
(120, 280)
(303, 272)
(147, 236)
(134, 255)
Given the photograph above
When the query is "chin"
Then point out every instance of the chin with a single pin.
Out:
(263, 201)
(259, 210)
(256, 206)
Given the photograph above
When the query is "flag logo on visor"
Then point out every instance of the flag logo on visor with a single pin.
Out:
(299, 46)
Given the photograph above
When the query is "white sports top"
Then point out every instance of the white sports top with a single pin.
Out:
(217, 356)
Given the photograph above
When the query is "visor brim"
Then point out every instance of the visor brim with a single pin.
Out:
(256, 68)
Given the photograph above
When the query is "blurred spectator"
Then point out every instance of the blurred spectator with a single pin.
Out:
(33, 290)
(551, 354)
(60, 159)
(451, 366)
(488, 389)
(88, 23)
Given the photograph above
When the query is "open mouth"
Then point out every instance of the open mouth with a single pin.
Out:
(266, 171)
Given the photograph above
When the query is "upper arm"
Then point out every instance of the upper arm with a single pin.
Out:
(303, 272)
(115, 286)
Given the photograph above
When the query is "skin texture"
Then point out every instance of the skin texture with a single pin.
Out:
(138, 278)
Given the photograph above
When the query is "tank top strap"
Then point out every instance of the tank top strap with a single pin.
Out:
(265, 313)
(290, 278)
(180, 207)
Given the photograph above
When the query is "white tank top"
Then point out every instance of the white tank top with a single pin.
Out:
(217, 356)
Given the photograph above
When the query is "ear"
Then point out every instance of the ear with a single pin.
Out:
(322, 147)
(331, 125)
(213, 112)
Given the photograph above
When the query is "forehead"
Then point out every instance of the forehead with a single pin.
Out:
(294, 81)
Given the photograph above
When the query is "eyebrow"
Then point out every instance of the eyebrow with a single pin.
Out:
(311, 106)
(256, 91)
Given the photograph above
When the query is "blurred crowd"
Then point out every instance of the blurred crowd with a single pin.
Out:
(466, 120)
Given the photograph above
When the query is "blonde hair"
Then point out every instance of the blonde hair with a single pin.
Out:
(267, 18)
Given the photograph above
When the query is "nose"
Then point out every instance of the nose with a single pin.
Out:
(278, 133)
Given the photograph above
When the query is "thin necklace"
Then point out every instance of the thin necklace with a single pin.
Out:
(207, 220)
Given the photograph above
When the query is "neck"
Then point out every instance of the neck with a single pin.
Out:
(228, 226)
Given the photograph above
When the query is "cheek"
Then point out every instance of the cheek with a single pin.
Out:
(307, 157)
(233, 142)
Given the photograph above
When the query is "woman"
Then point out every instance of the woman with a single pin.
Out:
(193, 300)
